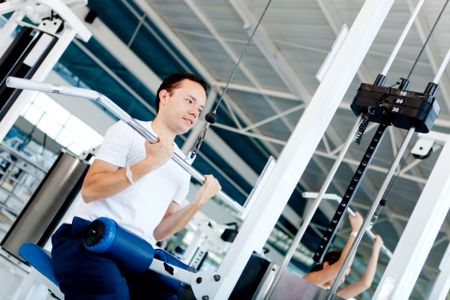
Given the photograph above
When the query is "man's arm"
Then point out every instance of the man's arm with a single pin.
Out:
(323, 276)
(365, 281)
(176, 218)
(104, 179)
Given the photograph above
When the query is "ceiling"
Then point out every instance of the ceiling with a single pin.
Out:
(273, 84)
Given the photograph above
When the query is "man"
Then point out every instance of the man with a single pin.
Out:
(135, 183)
(325, 273)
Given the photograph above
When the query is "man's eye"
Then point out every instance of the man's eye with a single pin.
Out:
(189, 101)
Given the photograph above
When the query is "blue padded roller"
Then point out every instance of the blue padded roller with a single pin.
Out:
(105, 236)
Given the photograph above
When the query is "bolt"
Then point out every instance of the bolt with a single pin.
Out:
(216, 277)
(205, 297)
(198, 280)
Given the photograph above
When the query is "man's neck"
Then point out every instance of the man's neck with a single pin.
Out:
(161, 128)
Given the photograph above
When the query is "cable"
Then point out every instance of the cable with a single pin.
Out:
(361, 129)
(428, 38)
(211, 116)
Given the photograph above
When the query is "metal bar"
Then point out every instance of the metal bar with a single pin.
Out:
(250, 134)
(41, 73)
(421, 231)
(402, 38)
(371, 235)
(271, 52)
(369, 216)
(19, 83)
(70, 19)
(7, 30)
(274, 117)
(301, 145)
(113, 75)
(433, 49)
(442, 67)
(315, 205)
(157, 36)
(259, 91)
(22, 157)
(441, 286)
(14, 180)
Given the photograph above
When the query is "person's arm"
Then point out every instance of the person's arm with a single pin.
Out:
(176, 218)
(104, 179)
(365, 281)
(323, 276)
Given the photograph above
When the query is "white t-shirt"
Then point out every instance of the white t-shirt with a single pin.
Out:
(141, 206)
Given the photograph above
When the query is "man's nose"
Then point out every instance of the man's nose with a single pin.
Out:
(194, 113)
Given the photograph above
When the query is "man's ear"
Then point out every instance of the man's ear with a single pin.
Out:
(325, 264)
(163, 97)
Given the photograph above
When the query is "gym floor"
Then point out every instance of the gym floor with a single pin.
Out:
(15, 281)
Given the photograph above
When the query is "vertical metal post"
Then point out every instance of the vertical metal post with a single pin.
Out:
(417, 239)
(441, 286)
(8, 29)
(40, 74)
(369, 216)
(301, 145)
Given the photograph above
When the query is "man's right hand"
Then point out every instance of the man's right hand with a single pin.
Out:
(158, 153)
(355, 221)
(377, 242)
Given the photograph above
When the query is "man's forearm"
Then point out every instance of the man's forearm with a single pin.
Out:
(369, 274)
(176, 221)
(101, 185)
(102, 182)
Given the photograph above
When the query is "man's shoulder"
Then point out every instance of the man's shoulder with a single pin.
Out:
(122, 127)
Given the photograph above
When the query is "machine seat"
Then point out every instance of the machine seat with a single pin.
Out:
(41, 261)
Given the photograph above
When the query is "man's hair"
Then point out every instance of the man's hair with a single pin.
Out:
(173, 81)
(331, 257)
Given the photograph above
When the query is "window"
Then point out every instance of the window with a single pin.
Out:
(62, 126)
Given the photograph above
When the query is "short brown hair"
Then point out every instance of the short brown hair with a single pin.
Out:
(172, 81)
(331, 257)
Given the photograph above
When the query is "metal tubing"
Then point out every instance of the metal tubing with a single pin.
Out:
(19, 83)
(7, 30)
(442, 67)
(369, 216)
(306, 221)
(402, 38)
(22, 157)
(7, 7)
(301, 145)
(43, 211)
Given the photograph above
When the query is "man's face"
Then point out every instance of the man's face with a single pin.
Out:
(183, 106)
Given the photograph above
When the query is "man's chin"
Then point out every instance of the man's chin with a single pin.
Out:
(184, 130)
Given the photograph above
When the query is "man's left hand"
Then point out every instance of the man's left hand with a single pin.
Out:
(210, 187)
